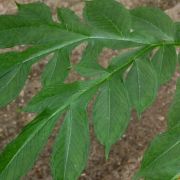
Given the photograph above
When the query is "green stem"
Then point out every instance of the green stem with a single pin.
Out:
(106, 77)
(133, 58)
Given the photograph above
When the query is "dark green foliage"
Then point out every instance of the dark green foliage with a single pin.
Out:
(87, 67)
(131, 81)
(141, 83)
(164, 62)
(57, 68)
(111, 112)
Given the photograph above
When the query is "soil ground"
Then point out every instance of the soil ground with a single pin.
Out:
(126, 154)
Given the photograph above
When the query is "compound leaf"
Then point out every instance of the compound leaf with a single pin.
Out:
(141, 83)
(164, 63)
(19, 156)
(111, 112)
(106, 23)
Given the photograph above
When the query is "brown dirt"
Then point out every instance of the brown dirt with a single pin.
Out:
(126, 154)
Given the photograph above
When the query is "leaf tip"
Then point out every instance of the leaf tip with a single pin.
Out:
(107, 151)
(139, 114)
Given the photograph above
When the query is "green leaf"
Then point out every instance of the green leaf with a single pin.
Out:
(106, 27)
(25, 27)
(10, 60)
(33, 25)
(72, 22)
(34, 13)
(100, 16)
(164, 63)
(108, 24)
(111, 112)
(174, 112)
(36, 134)
(88, 65)
(151, 24)
(28, 26)
(71, 149)
(57, 68)
(161, 160)
(19, 156)
(14, 70)
(12, 82)
(141, 83)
